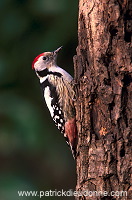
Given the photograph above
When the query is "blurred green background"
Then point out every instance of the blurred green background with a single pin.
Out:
(33, 154)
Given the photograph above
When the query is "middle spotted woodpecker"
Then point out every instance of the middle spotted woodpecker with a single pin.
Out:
(57, 88)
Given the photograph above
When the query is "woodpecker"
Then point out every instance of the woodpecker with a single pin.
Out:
(57, 89)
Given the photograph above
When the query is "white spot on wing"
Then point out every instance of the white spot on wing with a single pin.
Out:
(60, 112)
(57, 117)
(48, 100)
(61, 120)
(59, 125)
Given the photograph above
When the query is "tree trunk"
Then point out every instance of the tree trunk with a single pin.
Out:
(103, 86)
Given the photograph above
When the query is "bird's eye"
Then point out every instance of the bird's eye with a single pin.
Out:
(44, 58)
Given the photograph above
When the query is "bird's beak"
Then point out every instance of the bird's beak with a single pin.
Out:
(57, 50)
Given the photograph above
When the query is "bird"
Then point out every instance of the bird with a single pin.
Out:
(58, 92)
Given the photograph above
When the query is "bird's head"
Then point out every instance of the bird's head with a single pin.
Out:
(45, 60)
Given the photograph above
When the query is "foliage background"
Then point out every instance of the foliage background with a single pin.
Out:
(33, 154)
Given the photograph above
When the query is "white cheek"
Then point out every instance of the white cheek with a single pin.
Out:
(39, 65)
(48, 100)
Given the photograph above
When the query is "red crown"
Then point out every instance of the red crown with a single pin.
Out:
(36, 59)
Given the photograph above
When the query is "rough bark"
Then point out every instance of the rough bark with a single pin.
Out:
(103, 86)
